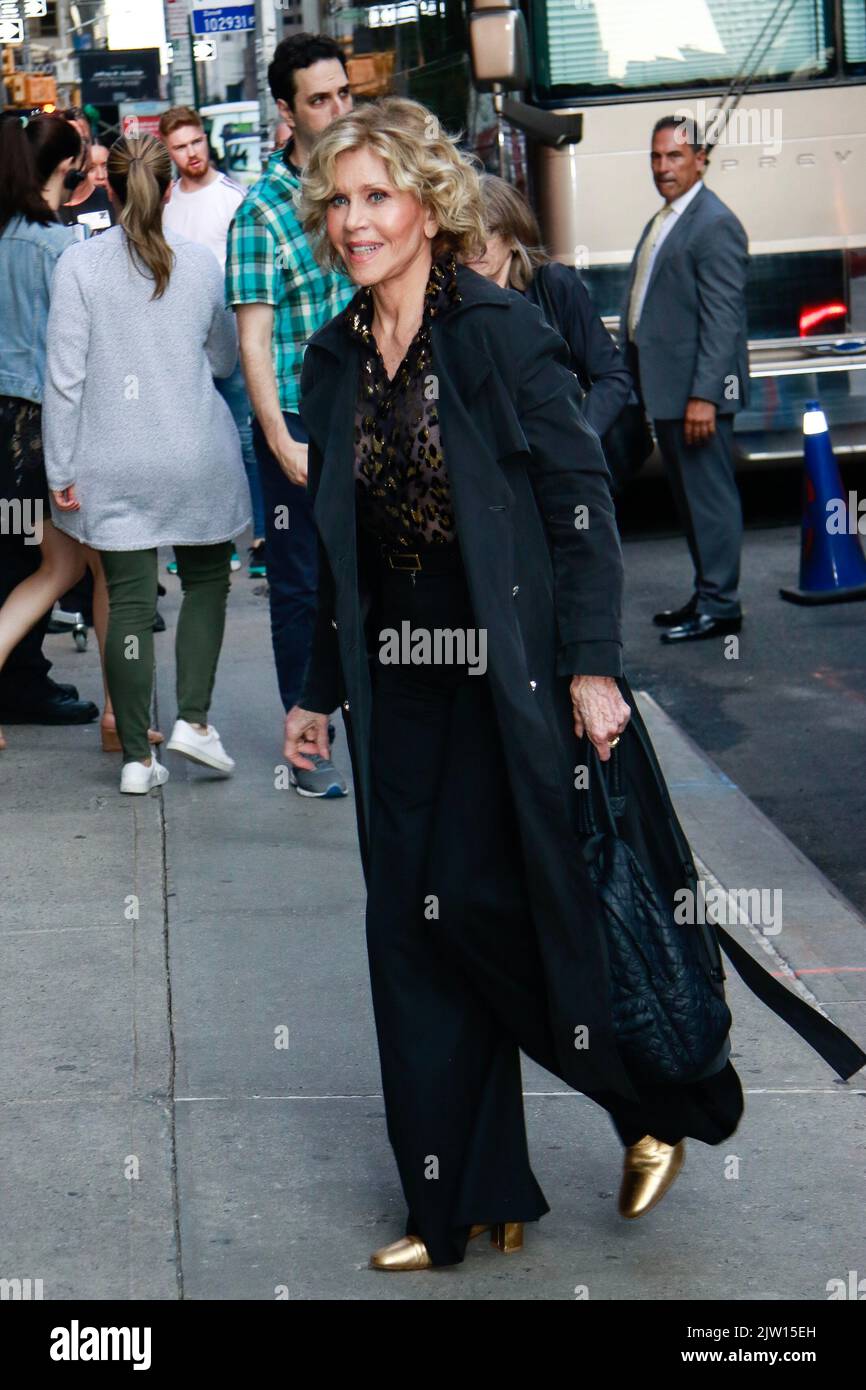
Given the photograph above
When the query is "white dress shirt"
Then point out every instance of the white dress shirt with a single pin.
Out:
(678, 206)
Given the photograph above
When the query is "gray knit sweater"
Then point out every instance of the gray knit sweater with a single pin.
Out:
(130, 411)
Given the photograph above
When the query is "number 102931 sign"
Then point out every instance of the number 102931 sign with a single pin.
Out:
(222, 19)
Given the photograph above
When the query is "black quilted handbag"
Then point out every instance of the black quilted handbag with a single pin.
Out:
(669, 1012)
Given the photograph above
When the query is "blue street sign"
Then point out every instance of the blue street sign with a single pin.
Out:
(223, 19)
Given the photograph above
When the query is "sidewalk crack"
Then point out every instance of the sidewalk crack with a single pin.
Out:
(172, 1044)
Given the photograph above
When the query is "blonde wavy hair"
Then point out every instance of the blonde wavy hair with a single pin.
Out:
(139, 171)
(420, 157)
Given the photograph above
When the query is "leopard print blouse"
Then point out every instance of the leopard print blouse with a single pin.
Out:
(402, 490)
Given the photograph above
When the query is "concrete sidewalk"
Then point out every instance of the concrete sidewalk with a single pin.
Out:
(189, 1082)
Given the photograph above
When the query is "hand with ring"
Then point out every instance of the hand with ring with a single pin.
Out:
(600, 712)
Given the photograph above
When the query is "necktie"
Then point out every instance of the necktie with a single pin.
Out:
(644, 263)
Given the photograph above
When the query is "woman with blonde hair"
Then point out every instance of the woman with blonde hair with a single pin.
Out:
(470, 627)
(141, 450)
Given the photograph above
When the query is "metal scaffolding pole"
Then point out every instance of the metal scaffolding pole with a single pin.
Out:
(266, 42)
(182, 74)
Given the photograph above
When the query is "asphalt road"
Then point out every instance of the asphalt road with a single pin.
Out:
(785, 719)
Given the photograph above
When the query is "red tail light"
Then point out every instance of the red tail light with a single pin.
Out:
(811, 318)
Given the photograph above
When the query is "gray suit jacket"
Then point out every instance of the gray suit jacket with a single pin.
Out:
(692, 337)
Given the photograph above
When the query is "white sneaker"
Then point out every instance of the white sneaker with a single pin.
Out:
(201, 748)
(138, 779)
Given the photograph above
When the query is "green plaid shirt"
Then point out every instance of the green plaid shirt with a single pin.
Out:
(270, 262)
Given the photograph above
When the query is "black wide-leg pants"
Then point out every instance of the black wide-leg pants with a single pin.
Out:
(457, 978)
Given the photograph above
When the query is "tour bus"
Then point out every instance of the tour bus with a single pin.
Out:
(779, 85)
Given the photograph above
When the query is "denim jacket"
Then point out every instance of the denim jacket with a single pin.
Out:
(28, 255)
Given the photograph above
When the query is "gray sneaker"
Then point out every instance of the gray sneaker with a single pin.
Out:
(322, 780)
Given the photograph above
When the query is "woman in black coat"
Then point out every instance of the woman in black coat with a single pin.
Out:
(514, 258)
(469, 623)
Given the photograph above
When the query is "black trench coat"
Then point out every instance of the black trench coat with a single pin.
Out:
(546, 583)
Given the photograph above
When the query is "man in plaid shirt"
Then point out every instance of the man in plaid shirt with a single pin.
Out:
(281, 297)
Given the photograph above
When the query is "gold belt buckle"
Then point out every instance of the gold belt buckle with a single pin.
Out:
(395, 556)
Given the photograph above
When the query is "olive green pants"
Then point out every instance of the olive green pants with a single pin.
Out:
(132, 579)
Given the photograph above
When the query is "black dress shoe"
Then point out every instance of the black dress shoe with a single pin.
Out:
(55, 709)
(672, 617)
(700, 626)
(159, 622)
(69, 692)
(48, 690)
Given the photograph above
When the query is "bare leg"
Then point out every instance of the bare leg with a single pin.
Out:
(63, 564)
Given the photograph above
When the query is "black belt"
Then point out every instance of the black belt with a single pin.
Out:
(430, 559)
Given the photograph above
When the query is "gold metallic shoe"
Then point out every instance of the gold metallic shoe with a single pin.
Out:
(507, 1236)
(411, 1253)
(649, 1168)
(408, 1253)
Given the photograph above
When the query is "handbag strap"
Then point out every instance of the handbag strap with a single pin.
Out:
(604, 788)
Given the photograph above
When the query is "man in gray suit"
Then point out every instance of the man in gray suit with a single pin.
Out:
(687, 346)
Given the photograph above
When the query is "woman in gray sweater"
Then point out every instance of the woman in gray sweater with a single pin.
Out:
(141, 450)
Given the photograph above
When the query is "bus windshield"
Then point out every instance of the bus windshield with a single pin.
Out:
(597, 48)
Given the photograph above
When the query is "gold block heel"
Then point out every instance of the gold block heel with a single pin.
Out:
(507, 1236)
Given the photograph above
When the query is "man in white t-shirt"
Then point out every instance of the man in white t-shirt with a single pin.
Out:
(202, 204)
